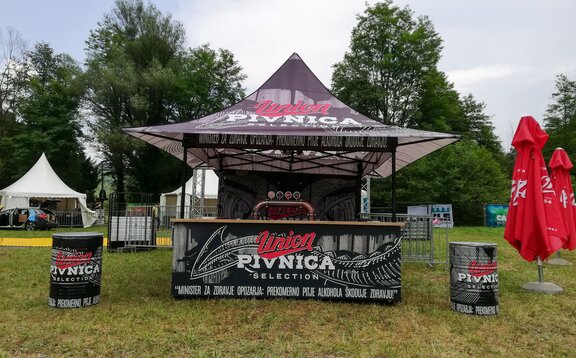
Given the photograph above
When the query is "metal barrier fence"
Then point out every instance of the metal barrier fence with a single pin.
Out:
(144, 226)
(132, 221)
(129, 229)
(424, 238)
(69, 218)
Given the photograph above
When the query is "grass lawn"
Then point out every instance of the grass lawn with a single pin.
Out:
(138, 317)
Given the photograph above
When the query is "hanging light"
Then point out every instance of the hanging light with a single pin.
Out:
(102, 196)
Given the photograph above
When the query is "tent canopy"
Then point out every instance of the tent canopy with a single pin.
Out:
(41, 181)
(292, 123)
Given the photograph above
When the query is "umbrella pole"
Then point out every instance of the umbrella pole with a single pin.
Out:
(558, 260)
(541, 286)
(540, 271)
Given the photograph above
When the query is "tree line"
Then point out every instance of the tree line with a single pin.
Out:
(138, 72)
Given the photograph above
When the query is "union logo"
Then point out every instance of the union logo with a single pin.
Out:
(271, 109)
(275, 245)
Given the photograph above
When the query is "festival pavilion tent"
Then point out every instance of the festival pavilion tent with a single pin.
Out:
(292, 123)
(42, 182)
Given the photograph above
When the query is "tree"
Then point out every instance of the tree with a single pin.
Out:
(560, 117)
(463, 174)
(129, 78)
(390, 74)
(439, 107)
(47, 109)
(478, 126)
(12, 78)
(140, 74)
(52, 108)
(383, 73)
(209, 81)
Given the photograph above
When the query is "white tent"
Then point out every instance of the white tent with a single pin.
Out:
(42, 182)
(170, 202)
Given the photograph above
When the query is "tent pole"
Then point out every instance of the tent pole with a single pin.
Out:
(394, 185)
(358, 198)
(184, 173)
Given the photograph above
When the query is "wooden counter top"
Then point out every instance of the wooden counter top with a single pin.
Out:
(288, 222)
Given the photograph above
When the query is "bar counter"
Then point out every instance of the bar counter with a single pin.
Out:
(337, 260)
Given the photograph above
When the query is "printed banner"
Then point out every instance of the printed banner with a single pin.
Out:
(256, 141)
(222, 258)
(442, 215)
(496, 215)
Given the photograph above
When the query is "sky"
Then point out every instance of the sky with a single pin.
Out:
(506, 53)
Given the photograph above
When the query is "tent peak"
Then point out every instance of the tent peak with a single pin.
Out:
(295, 56)
(40, 181)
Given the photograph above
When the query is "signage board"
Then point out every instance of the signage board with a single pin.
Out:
(496, 214)
(442, 215)
(290, 259)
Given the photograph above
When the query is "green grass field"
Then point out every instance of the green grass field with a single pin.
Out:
(138, 317)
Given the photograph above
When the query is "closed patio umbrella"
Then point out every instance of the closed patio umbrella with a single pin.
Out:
(534, 224)
(560, 166)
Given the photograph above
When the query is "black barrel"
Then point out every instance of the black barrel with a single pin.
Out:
(474, 278)
(76, 269)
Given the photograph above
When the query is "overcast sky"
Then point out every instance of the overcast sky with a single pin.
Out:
(506, 53)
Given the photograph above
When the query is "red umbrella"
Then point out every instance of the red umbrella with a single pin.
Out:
(560, 166)
(534, 224)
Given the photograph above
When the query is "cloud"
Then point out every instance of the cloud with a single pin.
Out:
(565, 66)
(476, 75)
(263, 34)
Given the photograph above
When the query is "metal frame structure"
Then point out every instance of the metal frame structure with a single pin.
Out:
(198, 187)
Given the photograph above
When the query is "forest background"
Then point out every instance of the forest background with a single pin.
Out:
(138, 72)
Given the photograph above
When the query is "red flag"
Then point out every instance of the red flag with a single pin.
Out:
(534, 224)
(560, 166)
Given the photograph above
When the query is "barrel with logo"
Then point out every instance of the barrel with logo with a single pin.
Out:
(76, 269)
(474, 278)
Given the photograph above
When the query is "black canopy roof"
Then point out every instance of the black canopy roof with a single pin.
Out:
(292, 123)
